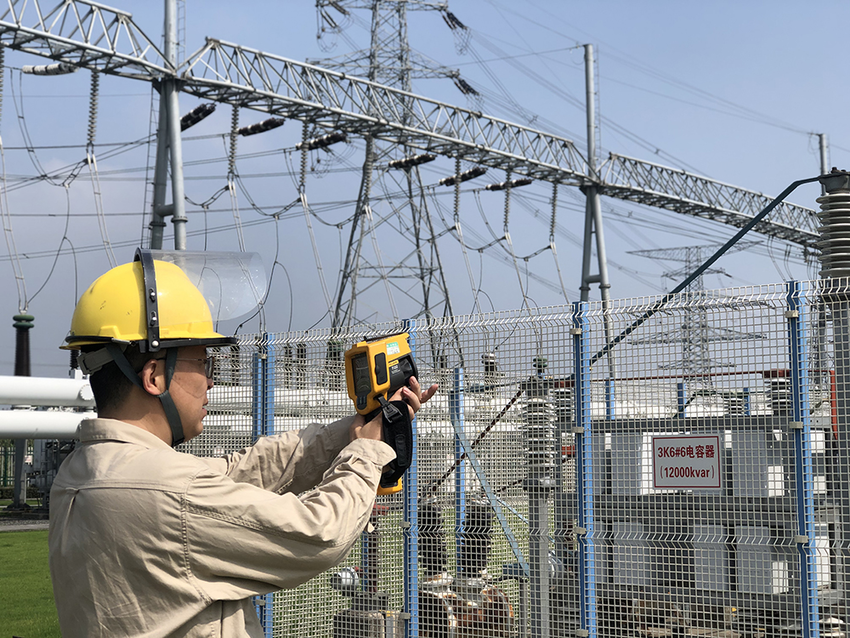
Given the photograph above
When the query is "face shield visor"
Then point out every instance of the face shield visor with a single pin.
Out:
(232, 283)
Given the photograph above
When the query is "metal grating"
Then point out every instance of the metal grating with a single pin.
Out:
(692, 482)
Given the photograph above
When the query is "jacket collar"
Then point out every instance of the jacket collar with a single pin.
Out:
(93, 430)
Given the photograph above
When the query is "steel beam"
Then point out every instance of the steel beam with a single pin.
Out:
(681, 192)
(93, 36)
(83, 33)
(230, 73)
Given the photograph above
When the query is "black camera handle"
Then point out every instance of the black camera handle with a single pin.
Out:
(398, 434)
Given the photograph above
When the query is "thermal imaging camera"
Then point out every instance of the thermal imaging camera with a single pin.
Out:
(374, 370)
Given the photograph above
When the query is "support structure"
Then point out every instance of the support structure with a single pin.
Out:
(263, 418)
(651, 184)
(539, 440)
(593, 213)
(798, 346)
(100, 38)
(411, 518)
(584, 471)
(390, 61)
(169, 149)
(695, 333)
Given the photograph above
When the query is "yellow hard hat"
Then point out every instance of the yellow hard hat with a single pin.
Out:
(148, 302)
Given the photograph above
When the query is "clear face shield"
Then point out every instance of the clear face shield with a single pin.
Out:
(184, 296)
(233, 283)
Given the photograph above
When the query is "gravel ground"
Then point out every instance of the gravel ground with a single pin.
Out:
(15, 524)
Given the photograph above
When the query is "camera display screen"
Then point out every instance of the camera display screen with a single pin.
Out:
(360, 370)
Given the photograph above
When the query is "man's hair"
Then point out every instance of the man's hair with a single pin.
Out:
(109, 385)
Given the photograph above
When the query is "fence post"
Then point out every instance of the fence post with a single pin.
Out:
(584, 472)
(456, 411)
(411, 519)
(263, 408)
(798, 342)
(681, 399)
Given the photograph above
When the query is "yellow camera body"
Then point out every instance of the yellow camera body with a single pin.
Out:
(376, 368)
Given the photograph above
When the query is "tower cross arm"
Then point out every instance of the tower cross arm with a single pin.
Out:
(344, 5)
(234, 74)
(643, 182)
(82, 33)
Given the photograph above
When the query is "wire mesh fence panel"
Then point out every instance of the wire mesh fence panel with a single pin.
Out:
(657, 467)
(698, 476)
(827, 473)
(7, 465)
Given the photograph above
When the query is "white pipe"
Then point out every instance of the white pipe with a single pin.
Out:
(45, 391)
(41, 424)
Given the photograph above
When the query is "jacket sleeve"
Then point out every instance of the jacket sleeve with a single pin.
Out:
(241, 540)
(289, 462)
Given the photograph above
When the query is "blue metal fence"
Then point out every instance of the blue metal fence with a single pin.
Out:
(543, 471)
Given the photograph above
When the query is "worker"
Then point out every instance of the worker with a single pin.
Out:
(148, 541)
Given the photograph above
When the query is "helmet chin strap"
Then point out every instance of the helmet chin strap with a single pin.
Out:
(171, 413)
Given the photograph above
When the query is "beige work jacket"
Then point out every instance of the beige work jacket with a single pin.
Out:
(148, 541)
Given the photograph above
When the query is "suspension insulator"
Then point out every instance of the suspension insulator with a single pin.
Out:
(323, 141)
(59, 68)
(196, 115)
(553, 223)
(472, 173)
(2, 78)
(234, 127)
(261, 127)
(94, 96)
(303, 158)
(507, 215)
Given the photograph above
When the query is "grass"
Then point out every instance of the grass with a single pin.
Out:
(28, 610)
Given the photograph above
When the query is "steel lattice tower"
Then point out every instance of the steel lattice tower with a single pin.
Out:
(695, 333)
(389, 61)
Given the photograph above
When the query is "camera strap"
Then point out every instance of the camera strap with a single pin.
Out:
(398, 434)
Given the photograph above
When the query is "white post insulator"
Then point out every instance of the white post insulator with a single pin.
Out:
(71, 393)
(539, 435)
(563, 404)
(41, 424)
(834, 215)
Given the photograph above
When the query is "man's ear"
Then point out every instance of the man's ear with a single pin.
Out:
(153, 377)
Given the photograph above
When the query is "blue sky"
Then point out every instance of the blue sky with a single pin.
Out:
(731, 90)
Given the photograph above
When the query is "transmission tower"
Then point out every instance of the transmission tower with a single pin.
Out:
(695, 333)
(389, 61)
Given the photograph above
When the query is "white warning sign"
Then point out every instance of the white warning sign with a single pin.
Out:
(691, 462)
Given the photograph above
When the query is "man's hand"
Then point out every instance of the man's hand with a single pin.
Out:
(413, 396)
